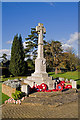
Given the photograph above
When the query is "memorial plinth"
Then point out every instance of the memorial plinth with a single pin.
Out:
(40, 75)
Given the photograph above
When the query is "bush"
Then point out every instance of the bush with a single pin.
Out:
(17, 95)
(3, 76)
(11, 75)
(4, 71)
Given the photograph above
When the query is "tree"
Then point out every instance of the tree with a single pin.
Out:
(4, 62)
(53, 54)
(30, 65)
(32, 44)
(4, 56)
(17, 63)
(70, 61)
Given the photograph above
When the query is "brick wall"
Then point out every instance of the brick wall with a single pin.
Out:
(8, 90)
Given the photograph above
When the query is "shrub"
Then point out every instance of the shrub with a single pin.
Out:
(17, 95)
(2, 76)
(11, 75)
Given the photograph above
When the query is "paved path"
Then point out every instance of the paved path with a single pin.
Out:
(32, 107)
(40, 111)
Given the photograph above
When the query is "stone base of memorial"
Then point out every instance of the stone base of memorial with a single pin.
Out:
(37, 79)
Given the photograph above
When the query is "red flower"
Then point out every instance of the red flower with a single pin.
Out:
(49, 91)
(68, 86)
(62, 83)
(59, 87)
(54, 90)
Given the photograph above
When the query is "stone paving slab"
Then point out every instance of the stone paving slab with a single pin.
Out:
(40, 111)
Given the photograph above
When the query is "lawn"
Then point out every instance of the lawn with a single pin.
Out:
(75, 75)
(0, 94)
(69, 75)
(11, 78)
(3, 97)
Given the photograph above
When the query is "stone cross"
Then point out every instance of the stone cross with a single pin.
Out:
(40, 75)
(41, 30)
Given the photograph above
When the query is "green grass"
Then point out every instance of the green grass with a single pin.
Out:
(69, 75)
(11, 78)
(0, 93)
(4, 97)
(78, 84)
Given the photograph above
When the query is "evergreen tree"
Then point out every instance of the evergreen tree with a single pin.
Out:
(32, 44)
(17, 63)
(4, 56)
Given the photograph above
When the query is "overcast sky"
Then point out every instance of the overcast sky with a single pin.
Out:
(59, 18)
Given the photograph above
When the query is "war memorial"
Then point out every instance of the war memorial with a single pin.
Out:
(40, 75)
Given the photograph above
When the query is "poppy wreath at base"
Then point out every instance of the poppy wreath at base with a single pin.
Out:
(54, 90)
(68, 86)
(43, 87)
(62, 83)
(39, 88)
(59, 87)
(48, 91)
